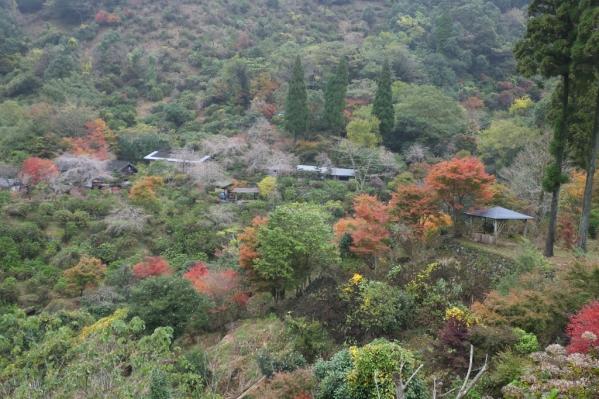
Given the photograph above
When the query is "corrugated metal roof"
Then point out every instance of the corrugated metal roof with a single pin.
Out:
(499, 213)
(164, 156)
(246, 190)
(326, 171)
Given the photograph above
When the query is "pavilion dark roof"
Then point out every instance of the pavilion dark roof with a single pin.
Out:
(498, 213)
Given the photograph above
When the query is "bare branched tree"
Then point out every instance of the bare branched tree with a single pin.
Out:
(126, 219)
(78, 171)
(401, 387)
(367, 162)
(525, 175)
(207, 173)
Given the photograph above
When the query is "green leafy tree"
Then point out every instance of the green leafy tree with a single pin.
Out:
(334, 96)
(546, 49)
(427, 116)
(169, 301)
(375, 367)
(502, 140)
(383, 103)
(364, 131)
(296, 242)
(296, 106)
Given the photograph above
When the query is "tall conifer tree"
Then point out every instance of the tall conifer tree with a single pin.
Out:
(383, 104)
(296, 107)
(586, 68)
(334, 97)
(546, 49)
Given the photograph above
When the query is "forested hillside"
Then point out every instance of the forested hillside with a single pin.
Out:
(298, 199)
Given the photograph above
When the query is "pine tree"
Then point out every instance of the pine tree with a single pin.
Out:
(586, 67)
(383, 104)
(296, 107)
(546, 49)
(334, 96)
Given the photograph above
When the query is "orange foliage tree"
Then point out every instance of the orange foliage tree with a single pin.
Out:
(571, 209)
(367, 229)
(36, 170)
(96, 143)
(417, 210)
(152, 266)
(461, 183)
(144, 189)
(248, 241)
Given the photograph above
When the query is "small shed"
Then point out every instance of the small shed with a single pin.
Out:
(498, 216)
(245, 192)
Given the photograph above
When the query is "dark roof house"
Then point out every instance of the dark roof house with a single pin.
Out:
(122, 167)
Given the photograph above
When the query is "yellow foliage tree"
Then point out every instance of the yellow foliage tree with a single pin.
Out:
(521, 104)
(267, 186)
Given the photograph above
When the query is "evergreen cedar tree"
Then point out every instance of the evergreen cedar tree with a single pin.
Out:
(546, 49)
(334, 96)
(382, 107)
(583, 329)
(460, 183)
(36, 170)
(296, 106)
(586, 66)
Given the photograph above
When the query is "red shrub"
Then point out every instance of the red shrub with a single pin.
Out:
(36, 170)
(219, 285)
(107, 18)
(152, 266)
(583, 329)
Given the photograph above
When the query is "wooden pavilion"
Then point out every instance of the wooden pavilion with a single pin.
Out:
(498, 217)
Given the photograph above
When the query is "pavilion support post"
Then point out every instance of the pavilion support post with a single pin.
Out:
(525, 228)
(495, 230)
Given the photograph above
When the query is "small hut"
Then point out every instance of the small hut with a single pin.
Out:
(496, 217)
(239, 193)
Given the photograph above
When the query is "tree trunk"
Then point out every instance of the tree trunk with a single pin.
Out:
(583, 229)
(562, 135)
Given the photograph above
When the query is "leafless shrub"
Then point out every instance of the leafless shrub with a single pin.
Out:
(126, 219)
(79, 171)
(207, 173)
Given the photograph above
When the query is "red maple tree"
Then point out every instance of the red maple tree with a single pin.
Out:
(152, 266)
(461, 183)
(36, 170)
(367, 229)
(222, 286)
(583, 329)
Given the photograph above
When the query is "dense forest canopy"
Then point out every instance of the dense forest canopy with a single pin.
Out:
(298, 199)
